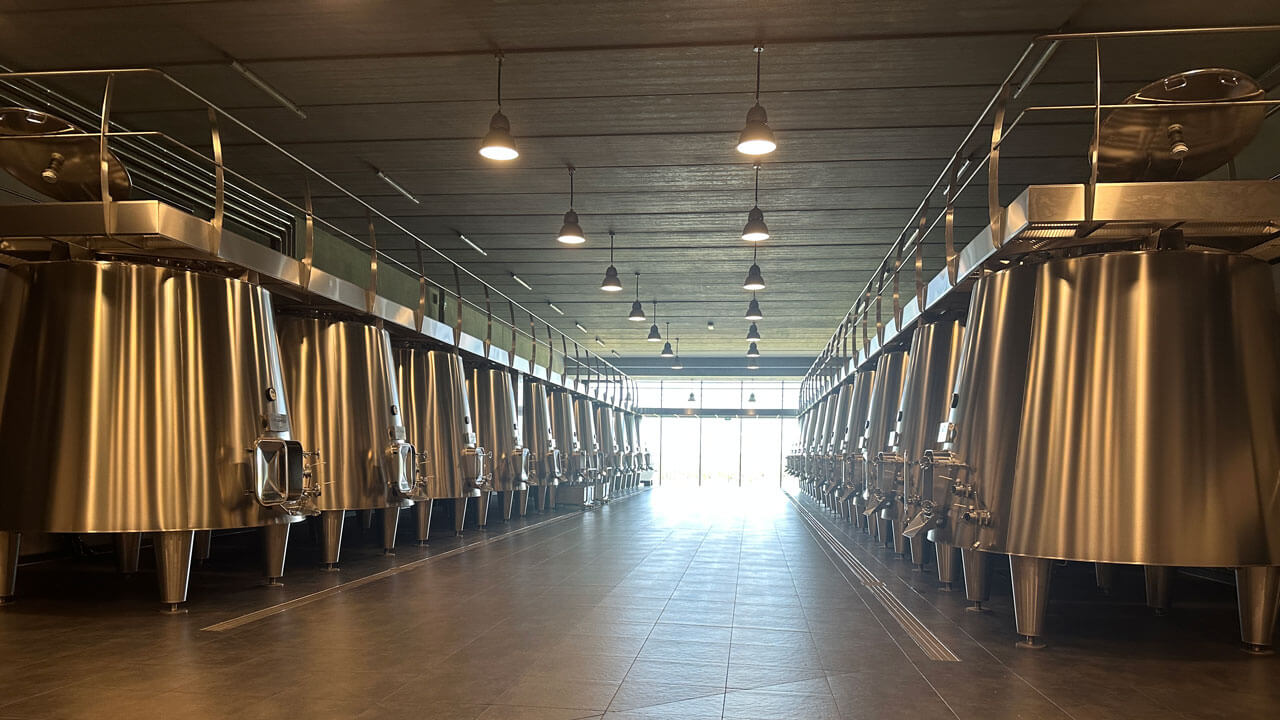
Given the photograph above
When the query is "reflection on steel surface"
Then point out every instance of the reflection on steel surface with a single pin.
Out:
(341, 384)
(544, 456)
(433, 392)
(926, 402)
(1180, 143)
(886, 392)
(493, 405)
(584, 418)
(1151, 427)
(133, 397)
(35, 149)
(565, 428)
(980, 440)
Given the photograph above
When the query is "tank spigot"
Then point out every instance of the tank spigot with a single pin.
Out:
(1178, 148)
(50, 173)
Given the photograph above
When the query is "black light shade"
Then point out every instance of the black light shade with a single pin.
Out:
(752, 364)
(611, 282)
(637, 312)
(654, 335)
(692, 398)
(676, 364)
(571, 232)
(751, 398)
(753, 334)
(753, 351)
(498, 143)
(667, 351)
(756, 137)
(753, 311)
(754, 281)
(755, 230)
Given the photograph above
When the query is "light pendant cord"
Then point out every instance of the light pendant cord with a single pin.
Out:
(570, 187)
(499, 55)
(611, 247)
(759, 51)
(637, 280)
(757, 203)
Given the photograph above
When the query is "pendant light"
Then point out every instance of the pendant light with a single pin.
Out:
(571, 232)
(754, 281)
(666, 349)
(752, 364)
(654, 335)
(676, 364)
(753, 310)
(692, 399)
(751, 398)
(497, 143)
(756, 137)
(611, 282)
(753, 351)
(753, 334)
(755, 230)
(637, 311)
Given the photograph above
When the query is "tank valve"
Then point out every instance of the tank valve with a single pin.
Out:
(50, 173)
(1178, 148)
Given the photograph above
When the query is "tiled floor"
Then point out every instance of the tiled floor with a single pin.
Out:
(668, 604)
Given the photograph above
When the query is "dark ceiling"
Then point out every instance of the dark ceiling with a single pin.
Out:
(868, 100)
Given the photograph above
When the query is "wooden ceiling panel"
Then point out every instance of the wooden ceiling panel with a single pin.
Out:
(868, 99)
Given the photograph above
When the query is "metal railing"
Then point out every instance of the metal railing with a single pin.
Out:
(178, 170)
(881, 299)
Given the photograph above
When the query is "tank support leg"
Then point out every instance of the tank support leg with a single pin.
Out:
(508, 502)
(128, 552)
(459, 514)
(977, 585)
(551, 497)
(1159, 585)
(946, 558)
(203, 548)
(173, 566)
(1105, 576)
(275, 544)
(331, 537)
(390, 524)
(1030, 597)
(422, 511)
(482, 509)
(10, 542)
(523, 498)
(540, 497)
(1258, 598)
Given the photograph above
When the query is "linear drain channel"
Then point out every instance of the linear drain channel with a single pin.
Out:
(933, 647)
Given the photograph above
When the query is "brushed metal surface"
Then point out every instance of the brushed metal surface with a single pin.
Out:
(341, 382)
(607, 438)
(980, 439)
(493, 405)
(1151, 426)
(132, 397)
(588, 439)
(544, 455)
(437, 418)
(1180, 142)
(926, 402)
(882, 415)
(564, 427)
(854, 466)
